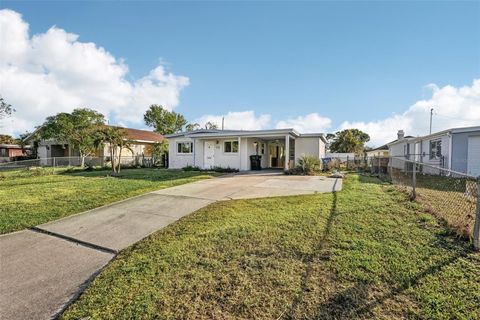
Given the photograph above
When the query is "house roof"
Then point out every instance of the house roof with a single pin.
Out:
(132, 134)
(142, 135)
(205, 133)
(11, 146)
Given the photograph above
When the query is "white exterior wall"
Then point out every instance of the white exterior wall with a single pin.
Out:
(227, 160)
(311, 146)
(179, 160)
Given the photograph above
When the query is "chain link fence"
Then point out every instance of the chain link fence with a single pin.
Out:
(62, 162)
(449, 195)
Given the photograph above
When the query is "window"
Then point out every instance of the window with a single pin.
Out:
(262, 148)
(184, 147)
(230, 146)
(435, 149)
(3, 152)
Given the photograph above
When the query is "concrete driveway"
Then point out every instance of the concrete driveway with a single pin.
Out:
(43, 269)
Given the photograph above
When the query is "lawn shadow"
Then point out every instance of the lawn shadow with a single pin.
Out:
(310, 259)
(355, 302)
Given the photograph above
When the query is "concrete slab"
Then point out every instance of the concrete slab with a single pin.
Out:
(254, 186)
(122, 224)
(39, 274)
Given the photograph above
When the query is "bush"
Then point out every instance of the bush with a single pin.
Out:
(224, 170)
(191, 168)
(308, 165)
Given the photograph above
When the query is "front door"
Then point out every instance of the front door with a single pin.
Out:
(209, 154)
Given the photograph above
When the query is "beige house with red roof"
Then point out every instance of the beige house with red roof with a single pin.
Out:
(143, 141)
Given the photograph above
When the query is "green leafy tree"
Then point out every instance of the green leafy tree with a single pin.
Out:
(159, 149)
(117, 138)
(349, 140)
(79, 129)
(5, 138)
(6, 109)
(192, 127)
(164, 121)
(211, 126)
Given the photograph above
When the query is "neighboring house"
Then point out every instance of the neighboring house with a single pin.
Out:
(278, 148)
(8, 151)
(381, 151)
(143, 142)
(457, 149)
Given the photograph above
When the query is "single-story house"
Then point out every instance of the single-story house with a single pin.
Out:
(8, 151)
(278, 148)
(142, 146)
(381, 151)
(457, 149)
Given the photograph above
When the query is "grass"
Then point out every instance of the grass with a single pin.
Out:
(364, 252)
(451, 199)
(32, 197)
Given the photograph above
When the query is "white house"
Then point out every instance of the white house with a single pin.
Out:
(278, 148)
(457, 149)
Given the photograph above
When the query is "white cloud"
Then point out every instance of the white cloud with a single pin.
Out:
(309, 123)
(241, 120)
(53, 72)
(453, 107)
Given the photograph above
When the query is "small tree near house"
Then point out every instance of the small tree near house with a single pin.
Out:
(79, 129)
(117, 139)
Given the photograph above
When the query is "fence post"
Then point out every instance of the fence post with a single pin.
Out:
(54, 163)
(414, 180)
(378, 166)
(476, 228)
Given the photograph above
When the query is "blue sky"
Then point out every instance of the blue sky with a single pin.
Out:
(346, 61)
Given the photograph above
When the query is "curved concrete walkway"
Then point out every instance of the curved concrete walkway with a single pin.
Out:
(45, 268)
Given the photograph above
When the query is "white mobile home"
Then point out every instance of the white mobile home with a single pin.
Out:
(278, 148)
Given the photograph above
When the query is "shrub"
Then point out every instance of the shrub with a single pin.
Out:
(191, 168)
(308, 165)
(224, 170)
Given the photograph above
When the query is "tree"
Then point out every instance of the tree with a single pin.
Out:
(164, 121)
(192, 127)
(117, 139)
(5, 138)
(79, 129)
(349, 140)
(6, 109)
(211, 126)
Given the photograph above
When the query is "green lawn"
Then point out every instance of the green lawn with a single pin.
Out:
(28, 199)
(365, 252)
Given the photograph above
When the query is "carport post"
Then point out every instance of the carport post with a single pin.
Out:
(476, 228)
(287, 152)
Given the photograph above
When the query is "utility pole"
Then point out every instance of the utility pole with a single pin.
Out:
(223, 122)
(431, 115)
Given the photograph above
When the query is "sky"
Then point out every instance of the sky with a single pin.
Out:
(314, 66)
